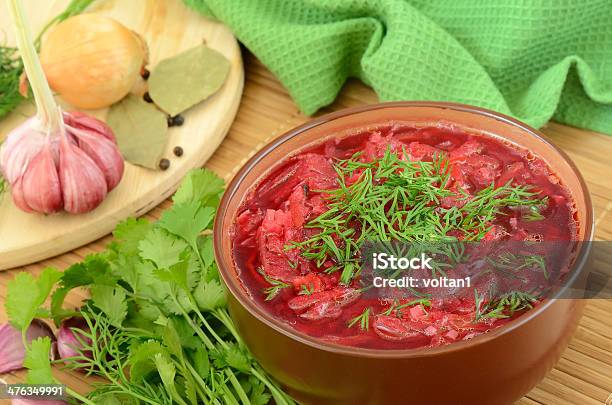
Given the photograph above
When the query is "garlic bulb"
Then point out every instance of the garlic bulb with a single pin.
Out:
(56, 160)
(92, 61)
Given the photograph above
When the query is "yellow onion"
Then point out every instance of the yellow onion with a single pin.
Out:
(92, 61)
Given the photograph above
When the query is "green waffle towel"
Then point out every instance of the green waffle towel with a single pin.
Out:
(533, 59)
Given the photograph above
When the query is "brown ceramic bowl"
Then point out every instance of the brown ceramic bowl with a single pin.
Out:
(496, 368)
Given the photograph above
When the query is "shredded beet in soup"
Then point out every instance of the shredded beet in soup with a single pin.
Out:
(297, 235)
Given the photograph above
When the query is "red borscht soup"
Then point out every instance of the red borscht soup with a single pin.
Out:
(297, 235)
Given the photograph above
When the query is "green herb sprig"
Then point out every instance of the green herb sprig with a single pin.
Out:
(398, 199)
(502, 307)
(159, 330)
(363, 320)
(276, 286)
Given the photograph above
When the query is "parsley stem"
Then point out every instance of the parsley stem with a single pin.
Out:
(279, 397)
(223, 316)
(204, 321)
(229, 396)
(237, 387)
(200, 382)
(78, 396)
(209, 344)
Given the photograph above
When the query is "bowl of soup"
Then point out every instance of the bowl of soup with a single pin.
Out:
(289, 239)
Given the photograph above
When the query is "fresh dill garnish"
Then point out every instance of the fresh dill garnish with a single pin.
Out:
(395, 199)
(276, 286)
(362, 319)
(533, 214)
(503, 307)
(398, 308)
(306, 289)
(510, 262)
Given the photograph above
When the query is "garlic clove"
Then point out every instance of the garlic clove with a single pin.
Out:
(82, 182)
(18, 198)
(103, 152)
(41, 188)
(72, 339)
(19, 148)
(12, 351)
(79, 120)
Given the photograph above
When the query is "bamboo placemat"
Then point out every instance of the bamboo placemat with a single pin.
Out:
(582, 376)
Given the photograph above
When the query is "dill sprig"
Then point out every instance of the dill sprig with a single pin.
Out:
(10, 70)
(503, 307)
(397, 308)
(533, 214)
(276, 286)
(363, 320)
(510, 262)
(396, 199)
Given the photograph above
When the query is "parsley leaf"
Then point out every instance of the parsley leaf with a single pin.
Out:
(94, 269)
(25, 295)
(167, 371)
(201, 362)
(141, 359)
(258, 394)
(161, 248)
(176, 274)
(207, 253)
(112, 301)
(172, 340)
(233, 356)
(201, 186)
(129, 233)
(37, 361)
(187, 221)
(209, 295)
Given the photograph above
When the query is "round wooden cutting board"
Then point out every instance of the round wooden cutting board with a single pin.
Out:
(168, 28)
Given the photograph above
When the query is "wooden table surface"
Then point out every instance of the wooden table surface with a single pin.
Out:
(582, 376)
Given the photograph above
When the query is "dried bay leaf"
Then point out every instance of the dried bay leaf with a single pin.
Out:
(141, 130)
(182, 81)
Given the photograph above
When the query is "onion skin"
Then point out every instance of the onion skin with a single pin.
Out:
(12, 351)
(92, 61)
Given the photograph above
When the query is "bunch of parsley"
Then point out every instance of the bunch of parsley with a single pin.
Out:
(158, 328)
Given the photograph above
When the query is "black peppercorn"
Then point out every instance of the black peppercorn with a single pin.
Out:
(178, 120)
(178, 151)
(164, 164)
(145, 73)
(147, 97)
(170, 121)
